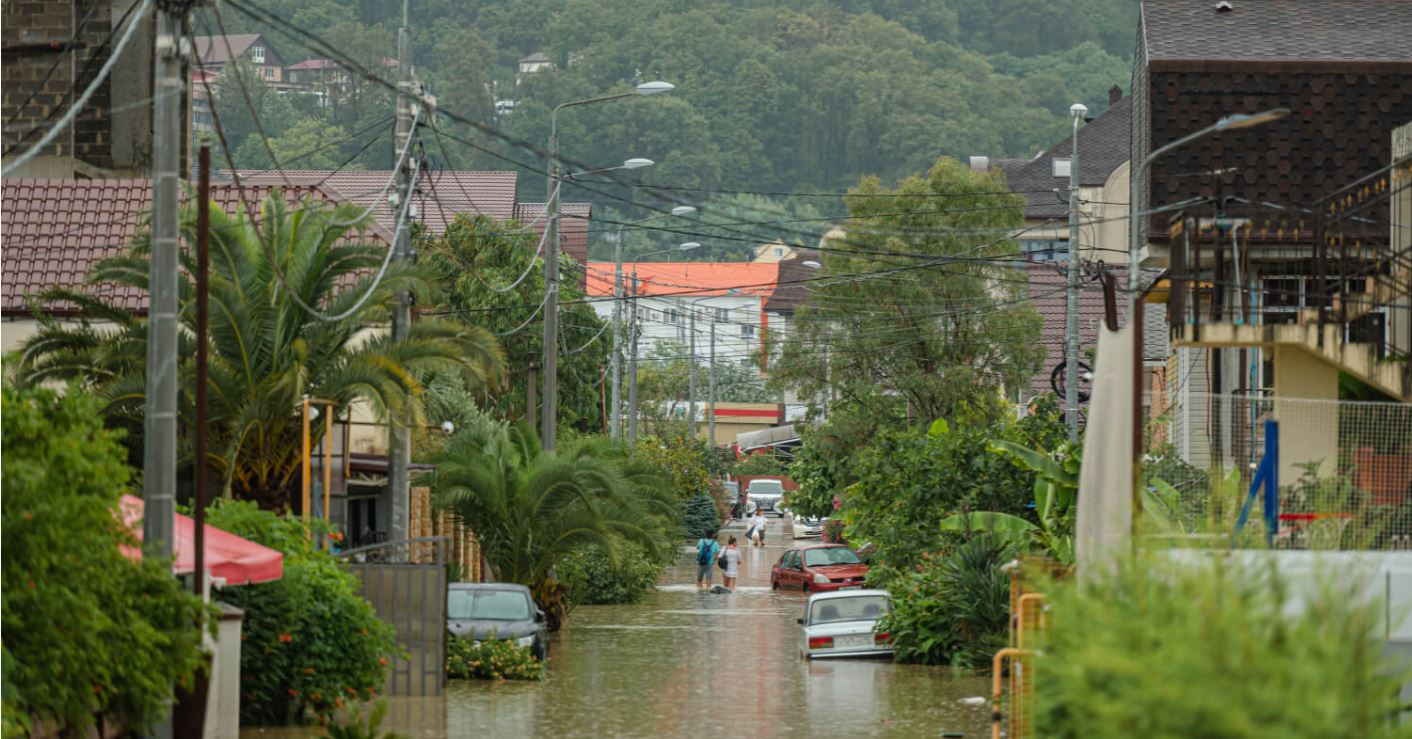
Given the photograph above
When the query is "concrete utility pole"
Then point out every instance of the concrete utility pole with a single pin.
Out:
(399, 441)
(634, 333)
(691, 377)
(549, 420)
(616, 414)
(159, 448)
(711, 375)
(1071, 331)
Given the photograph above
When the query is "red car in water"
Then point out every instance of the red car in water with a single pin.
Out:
(818, 568)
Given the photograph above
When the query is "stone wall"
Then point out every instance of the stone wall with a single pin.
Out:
(464, 549)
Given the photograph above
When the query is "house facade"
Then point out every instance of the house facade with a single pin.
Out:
(1285, 273)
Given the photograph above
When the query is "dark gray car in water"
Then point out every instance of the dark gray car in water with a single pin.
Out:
(478, 610)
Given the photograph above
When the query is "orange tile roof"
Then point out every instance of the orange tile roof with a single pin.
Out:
(688, 278)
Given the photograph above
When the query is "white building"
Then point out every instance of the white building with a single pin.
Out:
(725, 297)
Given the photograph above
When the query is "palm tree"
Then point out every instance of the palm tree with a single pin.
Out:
(266, 352)
(529, 507)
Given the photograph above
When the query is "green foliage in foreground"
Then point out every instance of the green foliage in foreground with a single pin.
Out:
(310, 641)
(592, 580)
(355, 727)
(87, 629)
(493, 659)
(1209, 648)
(954, 610)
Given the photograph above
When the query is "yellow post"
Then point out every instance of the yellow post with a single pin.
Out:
(997, 687)
(328, 459)
(304, 461)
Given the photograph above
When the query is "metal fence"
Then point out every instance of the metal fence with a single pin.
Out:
(406, 583)
(1289, 473)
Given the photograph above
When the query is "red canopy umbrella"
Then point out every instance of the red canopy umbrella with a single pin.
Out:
(238, 561)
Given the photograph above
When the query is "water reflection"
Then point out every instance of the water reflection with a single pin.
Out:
(683, 663)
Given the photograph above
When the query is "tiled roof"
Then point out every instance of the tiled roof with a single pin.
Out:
(1103, 147)
(1279, 30)
(689, 279)
(217, 50)
(792, 290)
(55, 231)
(444, 193)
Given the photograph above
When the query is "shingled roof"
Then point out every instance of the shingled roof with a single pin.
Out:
(55, 231)
(1103, 147)
(1278, 30)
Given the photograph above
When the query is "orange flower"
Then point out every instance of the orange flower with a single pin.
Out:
(294, 692)
(382, 661)
(285, 638)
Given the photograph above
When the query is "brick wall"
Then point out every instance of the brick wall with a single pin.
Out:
(35, 35)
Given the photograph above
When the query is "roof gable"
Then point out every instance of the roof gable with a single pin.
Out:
(1103, 147)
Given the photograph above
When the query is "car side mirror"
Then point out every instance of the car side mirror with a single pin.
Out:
(799, 621)
(539, 617)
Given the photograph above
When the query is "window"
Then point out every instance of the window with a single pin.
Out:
(779, 251)
(269, 73)
(673, 316)
(857, 608)
(1045, 250)
(257, 54)
(747, 330)
(723, 315)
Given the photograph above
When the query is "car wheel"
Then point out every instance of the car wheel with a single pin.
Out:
(806, 587)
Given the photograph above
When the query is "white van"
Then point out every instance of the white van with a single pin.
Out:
(766, 495)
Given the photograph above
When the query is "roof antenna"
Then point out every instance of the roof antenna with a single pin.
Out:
(1224, 6)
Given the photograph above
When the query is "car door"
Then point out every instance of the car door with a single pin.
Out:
(795, 571)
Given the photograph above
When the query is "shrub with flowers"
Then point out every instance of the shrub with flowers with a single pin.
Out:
(491, 659)
(310, 642)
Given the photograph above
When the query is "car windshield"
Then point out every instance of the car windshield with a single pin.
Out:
(826, 556)
(490, 605)
(761, 487)
(853, 608)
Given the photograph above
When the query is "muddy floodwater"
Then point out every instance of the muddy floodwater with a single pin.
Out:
(689, 664)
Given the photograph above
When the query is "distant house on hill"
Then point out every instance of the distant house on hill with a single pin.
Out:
(534, 63)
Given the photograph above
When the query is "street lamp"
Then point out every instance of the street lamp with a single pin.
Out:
(549, 420)
(616, 427)
(1139, 173)
(636, 331)
(634, 163)
(811, 264)
(1071, 316)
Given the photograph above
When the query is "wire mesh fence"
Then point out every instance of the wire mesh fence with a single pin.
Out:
(1339, 472)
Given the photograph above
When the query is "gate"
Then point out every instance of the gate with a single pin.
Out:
(406, 583)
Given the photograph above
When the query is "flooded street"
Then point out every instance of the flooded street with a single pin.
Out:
(683, 663)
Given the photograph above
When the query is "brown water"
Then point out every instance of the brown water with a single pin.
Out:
(689, 664)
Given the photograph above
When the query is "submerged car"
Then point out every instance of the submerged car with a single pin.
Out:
(480, 610)
(818, 568)
(808, 527)
(844, 624)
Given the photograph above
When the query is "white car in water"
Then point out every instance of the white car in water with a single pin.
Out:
(844, 624)
(808, 527)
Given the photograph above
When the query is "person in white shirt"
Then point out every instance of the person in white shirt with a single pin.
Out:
(757, 528)
(732, 557)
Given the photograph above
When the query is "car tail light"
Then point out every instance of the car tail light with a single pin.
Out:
(821, 642)
(882, 638)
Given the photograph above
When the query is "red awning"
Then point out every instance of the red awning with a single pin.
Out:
(238, 561)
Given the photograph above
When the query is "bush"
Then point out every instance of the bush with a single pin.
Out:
(1212, 649)
(701, 517)
(953, 611)
(310, 641)
(87, 629)
(492, 659)
(591, 579)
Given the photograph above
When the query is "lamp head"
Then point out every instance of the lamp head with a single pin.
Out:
(1244, 120)
(683, 210)
(1078, 110)
(448, 428)
(637, 163)
(652, 88)
(811, 264)
(688, 246)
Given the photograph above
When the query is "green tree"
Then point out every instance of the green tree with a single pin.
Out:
(952, 331)
(308, 144)
(479, 259)
(531, 508)
(266, 352)
(89, 630)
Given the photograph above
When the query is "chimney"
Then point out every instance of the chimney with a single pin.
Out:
(1114, 95)
(980, 165)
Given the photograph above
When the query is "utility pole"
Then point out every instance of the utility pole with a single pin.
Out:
(711, 374)
(549, 419)
(399, 442)
(634, 333)
(616, 416)
(691, 377)
(159, 448)
(1071, 331)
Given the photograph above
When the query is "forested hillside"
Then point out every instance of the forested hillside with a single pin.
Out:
(772, 95)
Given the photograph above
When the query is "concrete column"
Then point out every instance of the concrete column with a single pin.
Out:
(1308, 430)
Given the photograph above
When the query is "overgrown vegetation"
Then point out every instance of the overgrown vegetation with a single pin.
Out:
(1214, 648)
(89, 630)
(955, 608)
(492, 659)
(591, 577)
(309, 642)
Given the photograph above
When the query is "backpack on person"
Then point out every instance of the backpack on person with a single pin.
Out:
(703, 551)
